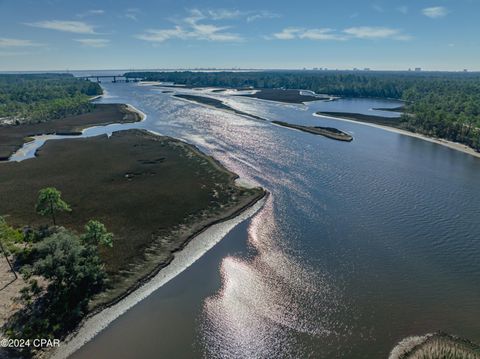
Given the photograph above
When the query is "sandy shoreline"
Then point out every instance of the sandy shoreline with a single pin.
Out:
(452, 145)
(194, 250)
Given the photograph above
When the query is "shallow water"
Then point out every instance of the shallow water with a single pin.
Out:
(359, 245)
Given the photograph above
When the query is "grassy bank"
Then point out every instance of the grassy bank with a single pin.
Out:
(154, 193)
(377, 120)
(329, 132)
(12, 137)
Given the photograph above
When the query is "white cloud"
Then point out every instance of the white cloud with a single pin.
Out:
(8, 42)
(132, 14)
(368, 32)
(78, 27)
(91, 12)
(435, 12)
(203, 25)
(254, 16)
(193, 28)
(288, 33)
(94, 42)
(223, 14)
(361, 32)
(154, 35)
(227, 14)
(321, 34)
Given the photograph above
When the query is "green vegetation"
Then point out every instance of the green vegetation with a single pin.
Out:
(9, 237)
(50, 202)
(445, 105)
(63, 273)
(96, 234)
(35, 98)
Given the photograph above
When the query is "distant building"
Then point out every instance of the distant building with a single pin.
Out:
(465, 70)
(366, 69)
(418, 69)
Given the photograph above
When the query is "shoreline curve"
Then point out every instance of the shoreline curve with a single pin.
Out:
(450, 144)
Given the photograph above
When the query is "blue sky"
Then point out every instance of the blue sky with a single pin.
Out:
(117, 34)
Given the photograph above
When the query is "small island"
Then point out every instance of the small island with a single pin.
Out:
(329, 132)
(359, 117)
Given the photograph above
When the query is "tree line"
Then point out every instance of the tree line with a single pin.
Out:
(42, 97)
(439, 104)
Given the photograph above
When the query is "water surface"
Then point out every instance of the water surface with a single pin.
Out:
(359, 245)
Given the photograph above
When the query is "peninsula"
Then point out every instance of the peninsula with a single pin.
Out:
(154, 194)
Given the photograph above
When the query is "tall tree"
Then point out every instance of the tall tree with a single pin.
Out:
(50, 202)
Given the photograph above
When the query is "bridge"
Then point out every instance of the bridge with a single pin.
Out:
(114, 78)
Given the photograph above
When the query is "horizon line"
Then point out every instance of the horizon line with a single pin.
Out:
(200, 69)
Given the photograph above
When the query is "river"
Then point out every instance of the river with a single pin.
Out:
(358, 246)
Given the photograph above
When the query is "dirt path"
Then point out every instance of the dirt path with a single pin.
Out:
(9, 289)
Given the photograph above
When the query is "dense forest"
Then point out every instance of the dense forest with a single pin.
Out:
(445, 105)
(42, 97)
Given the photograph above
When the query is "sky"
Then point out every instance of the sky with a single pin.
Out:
(41, 35)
